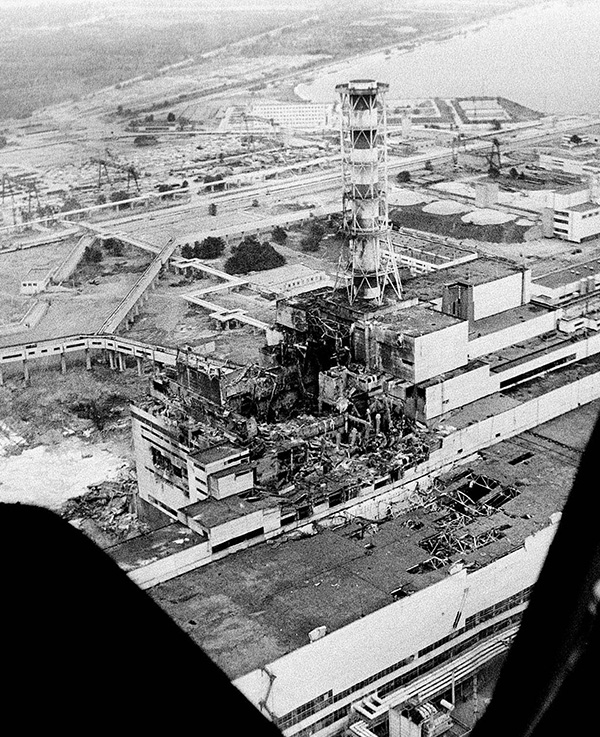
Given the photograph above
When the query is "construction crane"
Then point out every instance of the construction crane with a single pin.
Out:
(8, 190)
(493, 157)
(32, 192)
(110, 162)
(494, 160)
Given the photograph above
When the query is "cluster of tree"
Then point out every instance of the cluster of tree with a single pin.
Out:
(252, 255)
(312, 240)
(71, 203)
(279, 235)
(92, 255)
(3, 141)
(119, 196)
(114, 246)
(211, 247)
(403, 176)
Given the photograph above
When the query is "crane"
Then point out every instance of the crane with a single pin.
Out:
(110, 161)
(493, 157)
(8, 190)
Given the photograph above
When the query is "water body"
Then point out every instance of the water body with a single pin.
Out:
(546, 57)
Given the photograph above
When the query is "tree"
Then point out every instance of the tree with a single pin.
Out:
(496, 125)
(187, 251)
(251, 255)
(576, 139)
(114, 246)
(171, 118)
(312, 240)
(72, 203)
(92, 255)
(101, 199)
(403, 176)
(3, 141)
(279, 235)
(211, 247)
(428, 165)
(120, 195)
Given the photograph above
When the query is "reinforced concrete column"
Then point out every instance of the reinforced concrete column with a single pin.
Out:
(121, 362)
(139, 365)
(63, 363)
(111, 359)
(1, 377)
(26, 375)
(88, 360)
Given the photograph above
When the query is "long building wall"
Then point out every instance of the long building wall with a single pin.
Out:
(447, 395)
(382, 645)
(496, 341)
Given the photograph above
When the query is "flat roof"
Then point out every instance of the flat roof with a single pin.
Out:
(583, 207)
(503, 320)
(37, 272)
(228, 470)
(433, 252)
(416, 320)
(568, 274)
(155, 546)
(216, 453)
(479, 271)
(259, 604)
(215, 512)
(273, 277)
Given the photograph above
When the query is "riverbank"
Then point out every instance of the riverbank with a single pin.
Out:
(537, 55)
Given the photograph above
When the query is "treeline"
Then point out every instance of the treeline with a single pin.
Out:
(47, 67)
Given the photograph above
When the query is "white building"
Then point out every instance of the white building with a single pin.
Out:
(301, 115)
(36, 280)
(288, 280)
(580, 162)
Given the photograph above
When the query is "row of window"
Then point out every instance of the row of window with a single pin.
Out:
(499, 608)
(293, 717)
(414, 673)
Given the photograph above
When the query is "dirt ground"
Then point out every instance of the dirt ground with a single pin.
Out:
(66, 433)
(167, 319)
(87, 299)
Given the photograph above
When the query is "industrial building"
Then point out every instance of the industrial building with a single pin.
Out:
(338, 488)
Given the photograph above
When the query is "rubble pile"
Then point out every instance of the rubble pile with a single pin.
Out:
(109, 505)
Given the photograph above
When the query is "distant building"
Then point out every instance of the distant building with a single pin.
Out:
(581, 162)
(303, 115)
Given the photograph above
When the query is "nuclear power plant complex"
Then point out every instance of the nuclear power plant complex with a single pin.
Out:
(369, 501)
(318, 376)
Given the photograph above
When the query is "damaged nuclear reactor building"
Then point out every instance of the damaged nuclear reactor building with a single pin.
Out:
(372, 409)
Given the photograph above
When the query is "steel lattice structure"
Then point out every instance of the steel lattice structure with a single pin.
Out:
(367, 263)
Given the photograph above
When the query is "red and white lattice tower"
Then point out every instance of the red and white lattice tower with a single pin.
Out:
(367, 262)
